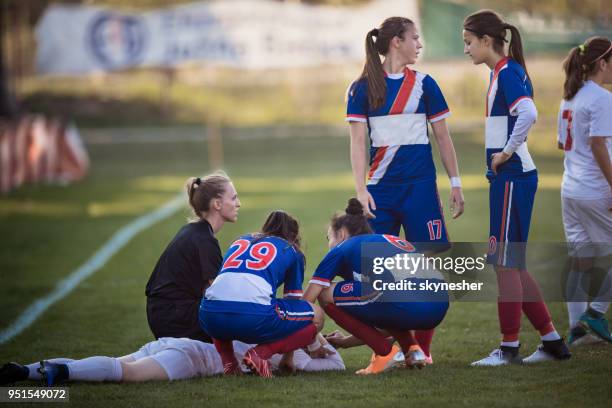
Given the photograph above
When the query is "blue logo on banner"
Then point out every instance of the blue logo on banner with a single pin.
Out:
(117, 41)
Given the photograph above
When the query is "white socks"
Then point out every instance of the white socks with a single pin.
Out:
(553, 335)
(97, 369)
(574, 311)
(577, 288)
(33, 368)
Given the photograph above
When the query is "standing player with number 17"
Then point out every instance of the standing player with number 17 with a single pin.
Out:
(510, 113)
(392, 105)
(585, 136)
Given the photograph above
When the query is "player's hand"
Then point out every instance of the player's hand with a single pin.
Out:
(366, 200)
(456, 201)
(497, 159)
(321, 352)
(336, 338)
(286, 366)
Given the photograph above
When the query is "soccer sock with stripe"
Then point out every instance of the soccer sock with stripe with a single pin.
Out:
(369, 335)
(294, 341)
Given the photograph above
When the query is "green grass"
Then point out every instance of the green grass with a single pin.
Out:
(48, 231)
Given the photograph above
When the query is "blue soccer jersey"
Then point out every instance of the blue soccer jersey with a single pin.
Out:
(345, 260)
(509, 85)
(400, 151)
(253, 269)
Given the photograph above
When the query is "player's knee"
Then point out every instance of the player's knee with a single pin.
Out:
(128, 372)
(319, 317)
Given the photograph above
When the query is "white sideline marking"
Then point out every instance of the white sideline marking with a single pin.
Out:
(93, 264)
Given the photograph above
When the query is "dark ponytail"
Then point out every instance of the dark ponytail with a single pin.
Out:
(353, 219)
(488, 22)
(281, 224)
(581, 62)
(373, 70)
(515, 49)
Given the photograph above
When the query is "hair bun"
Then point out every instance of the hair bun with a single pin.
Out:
(374, 32)
(354, 207)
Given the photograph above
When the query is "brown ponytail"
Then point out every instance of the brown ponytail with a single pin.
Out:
(488, 22)
(353, 219)
(373, 70)
(581, 62)
(200, 192)
(283, 225)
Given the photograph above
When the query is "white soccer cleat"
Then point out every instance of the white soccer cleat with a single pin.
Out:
(416, 357)
(539, 356)
(498, 357)
(549, 351)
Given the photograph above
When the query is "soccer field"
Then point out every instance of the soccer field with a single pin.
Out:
(49, 231)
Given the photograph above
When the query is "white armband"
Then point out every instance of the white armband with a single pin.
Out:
(455, 181)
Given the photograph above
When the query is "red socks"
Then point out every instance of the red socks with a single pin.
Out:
(424, 338)
(509, 303)
(519, 292)
(299, 339)
(533, 305)
(369, 335)
(226, 351)
(405, 339)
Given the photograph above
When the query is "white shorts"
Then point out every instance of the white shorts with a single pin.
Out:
(588, 226)
(182, 358)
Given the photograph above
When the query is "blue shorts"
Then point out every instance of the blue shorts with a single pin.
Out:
(414, 206)
(376, 312)
(510, 207)
(281, 319)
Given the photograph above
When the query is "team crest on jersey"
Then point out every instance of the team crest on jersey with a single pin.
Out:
(281, 313)
(492, 245)
(346, 288)
(117, 40)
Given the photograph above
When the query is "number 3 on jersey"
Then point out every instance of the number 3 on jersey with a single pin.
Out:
(567, 116)
(262, 254)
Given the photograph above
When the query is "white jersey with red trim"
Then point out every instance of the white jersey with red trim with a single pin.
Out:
(587, 115)
(400, 151)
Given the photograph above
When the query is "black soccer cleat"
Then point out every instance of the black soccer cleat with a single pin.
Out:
(12, 373)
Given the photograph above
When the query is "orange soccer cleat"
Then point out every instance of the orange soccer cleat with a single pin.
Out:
(379, 364)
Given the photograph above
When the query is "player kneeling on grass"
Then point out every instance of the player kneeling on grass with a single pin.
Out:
(361, 313)
(164, 359)
(241, 303)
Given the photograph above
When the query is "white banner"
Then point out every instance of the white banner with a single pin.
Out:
(242, 33)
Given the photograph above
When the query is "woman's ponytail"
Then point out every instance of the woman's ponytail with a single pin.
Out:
(572, 65)
(582, 61)
(515, 49)
(374, 72)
